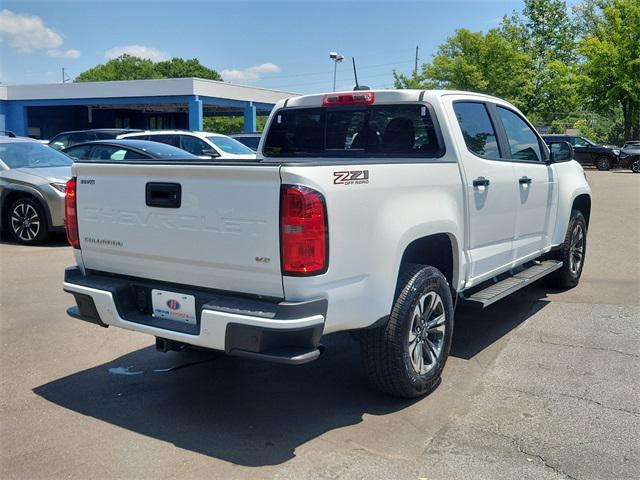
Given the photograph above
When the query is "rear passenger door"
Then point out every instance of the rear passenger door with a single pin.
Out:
(491, 187)
(535, 201)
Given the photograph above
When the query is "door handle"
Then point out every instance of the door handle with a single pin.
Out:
(481, 182)
(524, 181)
(163, 195)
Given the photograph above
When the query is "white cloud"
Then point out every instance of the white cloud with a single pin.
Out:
(71, 53)
(249, 74)
(137, 51)
(27, 33)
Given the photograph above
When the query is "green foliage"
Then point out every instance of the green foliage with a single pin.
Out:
(546, 35)
(611, 69)
(606, 129)
(484, 63)
(560, 70)
(228, 125)
(181, 68)
(127, 67)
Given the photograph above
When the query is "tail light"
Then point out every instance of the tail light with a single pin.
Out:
(304, 236)
(349, 98)
(71, 213)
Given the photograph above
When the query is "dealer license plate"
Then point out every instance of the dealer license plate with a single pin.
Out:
(174, 306)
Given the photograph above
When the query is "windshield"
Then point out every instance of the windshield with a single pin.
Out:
(32, 155)
(230, 145)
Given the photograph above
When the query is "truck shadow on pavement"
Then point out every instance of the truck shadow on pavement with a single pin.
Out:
(252, 413)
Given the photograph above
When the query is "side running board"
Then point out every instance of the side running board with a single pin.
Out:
(515, 282)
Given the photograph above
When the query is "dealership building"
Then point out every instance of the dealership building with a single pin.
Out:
(42, 111)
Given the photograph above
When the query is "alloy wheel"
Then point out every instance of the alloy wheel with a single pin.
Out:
(25, 222)
(426, 334)
(576, 251)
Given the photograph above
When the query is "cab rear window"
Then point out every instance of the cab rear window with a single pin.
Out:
(399, 131)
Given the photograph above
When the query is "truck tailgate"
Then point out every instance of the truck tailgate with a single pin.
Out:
(224, 234)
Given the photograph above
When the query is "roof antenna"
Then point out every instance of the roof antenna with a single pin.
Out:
(355, 74)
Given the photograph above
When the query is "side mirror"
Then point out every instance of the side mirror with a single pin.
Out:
(210, 152)
(560, 152)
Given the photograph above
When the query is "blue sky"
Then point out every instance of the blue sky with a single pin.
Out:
(280, 45)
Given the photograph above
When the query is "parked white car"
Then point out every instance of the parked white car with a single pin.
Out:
(205, 145)
(368, 211)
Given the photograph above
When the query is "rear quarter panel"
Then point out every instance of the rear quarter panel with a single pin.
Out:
(370, 225)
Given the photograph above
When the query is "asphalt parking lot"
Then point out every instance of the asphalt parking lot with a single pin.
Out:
(541, 385)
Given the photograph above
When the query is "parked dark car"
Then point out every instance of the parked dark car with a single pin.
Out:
(127, 150)
(630, 156)
(66, 139)
(251, 140)
(587, 152)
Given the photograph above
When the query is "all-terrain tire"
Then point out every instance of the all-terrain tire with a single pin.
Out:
(386, 350)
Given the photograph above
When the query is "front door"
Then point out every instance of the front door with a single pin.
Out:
(535, 182)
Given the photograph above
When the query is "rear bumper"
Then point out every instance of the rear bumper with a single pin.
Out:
(285, 332)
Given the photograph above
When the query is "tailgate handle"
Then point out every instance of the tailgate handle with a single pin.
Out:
(164, 195)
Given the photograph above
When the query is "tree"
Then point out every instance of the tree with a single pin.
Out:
(529, 60)
(611, 69)
(127, 67)
(484, 63)
(180, 68)
(228, 125)
(544, 32)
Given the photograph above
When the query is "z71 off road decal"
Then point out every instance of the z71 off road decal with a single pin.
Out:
(353, 177)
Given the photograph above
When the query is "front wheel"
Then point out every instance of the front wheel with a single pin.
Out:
(572, 253)
(603, 163)
(27, 222)
(405, 357)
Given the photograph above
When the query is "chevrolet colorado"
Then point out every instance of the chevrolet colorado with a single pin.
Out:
(367, 211)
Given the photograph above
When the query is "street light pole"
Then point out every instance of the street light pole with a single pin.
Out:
(337, 58)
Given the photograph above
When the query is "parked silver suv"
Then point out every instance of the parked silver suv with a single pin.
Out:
(32, 189)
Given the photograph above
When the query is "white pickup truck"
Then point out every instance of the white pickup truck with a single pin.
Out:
(367, 211)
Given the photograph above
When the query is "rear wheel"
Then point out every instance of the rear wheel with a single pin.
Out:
(406, 356)
(572, 253)
(635, 165)
(27, 222)
(603, 163)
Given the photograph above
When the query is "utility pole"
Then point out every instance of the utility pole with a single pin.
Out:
(415, 68)
(65, 77)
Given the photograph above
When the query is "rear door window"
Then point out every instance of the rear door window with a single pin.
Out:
(477, 129)
(173, 140)
(81, 152)
(78, 137)
(401, 131)
(108, 152)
